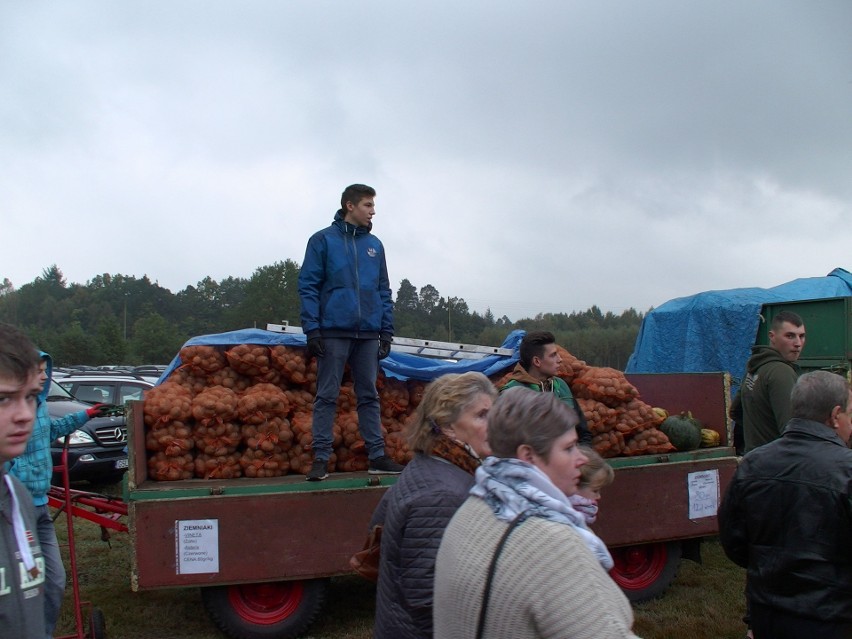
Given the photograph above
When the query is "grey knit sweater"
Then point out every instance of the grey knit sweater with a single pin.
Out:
(547, 584)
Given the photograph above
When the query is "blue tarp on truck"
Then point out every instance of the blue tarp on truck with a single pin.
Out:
(714, 331)
(400, 365)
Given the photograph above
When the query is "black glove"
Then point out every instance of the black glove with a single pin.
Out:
(316, 347)
(384, 347)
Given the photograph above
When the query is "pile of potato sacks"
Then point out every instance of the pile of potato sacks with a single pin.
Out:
(245, 411)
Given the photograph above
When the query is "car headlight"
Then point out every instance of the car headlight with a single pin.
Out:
(77, 438)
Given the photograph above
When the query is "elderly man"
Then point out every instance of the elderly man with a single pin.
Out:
(787, 518)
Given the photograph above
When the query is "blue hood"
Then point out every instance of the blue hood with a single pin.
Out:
(45, 390)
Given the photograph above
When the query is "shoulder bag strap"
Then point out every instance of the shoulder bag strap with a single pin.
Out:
(480, 628)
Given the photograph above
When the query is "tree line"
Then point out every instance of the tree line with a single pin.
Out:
(120, 319)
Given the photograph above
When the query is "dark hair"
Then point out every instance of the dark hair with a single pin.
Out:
(532, 345)
(443, 401)
(817, 393)
(786, 316)
(355, 193)
(524, 416)
(18, 357)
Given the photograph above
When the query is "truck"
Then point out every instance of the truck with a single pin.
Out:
(262, 550)
(828, 329)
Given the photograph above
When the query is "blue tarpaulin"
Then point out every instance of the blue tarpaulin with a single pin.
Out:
(399, 365)
(714, 331)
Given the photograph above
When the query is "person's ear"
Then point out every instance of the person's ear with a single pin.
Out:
(525, 453)
(536, 361)
(834, 413)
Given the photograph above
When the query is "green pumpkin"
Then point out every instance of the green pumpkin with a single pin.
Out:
(683, 431)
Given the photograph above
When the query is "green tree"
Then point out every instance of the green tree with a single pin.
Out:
(272, 295)
(110, 342)
(74, 346)
(155, 340)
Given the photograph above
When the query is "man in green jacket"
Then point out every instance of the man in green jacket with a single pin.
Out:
(771, 374)
(538, 368)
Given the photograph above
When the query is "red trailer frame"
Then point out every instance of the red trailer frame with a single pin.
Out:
(274, 540)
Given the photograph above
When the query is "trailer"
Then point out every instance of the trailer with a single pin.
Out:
(262, 550)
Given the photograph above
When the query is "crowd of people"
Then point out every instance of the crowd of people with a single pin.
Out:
(487, 531)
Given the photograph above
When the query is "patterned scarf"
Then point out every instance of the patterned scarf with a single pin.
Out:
(456, 452)
(511, 486)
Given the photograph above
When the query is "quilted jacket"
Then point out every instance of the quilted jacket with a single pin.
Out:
(415, 511)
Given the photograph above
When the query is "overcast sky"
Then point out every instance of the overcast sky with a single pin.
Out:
(535, 156)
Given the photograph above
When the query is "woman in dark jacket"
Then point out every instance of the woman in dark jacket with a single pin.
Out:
(448, 436)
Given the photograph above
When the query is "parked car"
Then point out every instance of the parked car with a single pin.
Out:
(97, 451)
(105, 388)
(152, 372)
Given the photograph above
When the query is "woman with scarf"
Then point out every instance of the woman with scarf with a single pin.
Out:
(551, 578)
(448, 436)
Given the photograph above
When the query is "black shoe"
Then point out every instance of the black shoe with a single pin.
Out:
(318, 471)
(384, 465)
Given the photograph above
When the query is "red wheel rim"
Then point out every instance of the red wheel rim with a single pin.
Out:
(266, 603)
(637, 567)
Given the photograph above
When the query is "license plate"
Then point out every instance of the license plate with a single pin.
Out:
(121, 463)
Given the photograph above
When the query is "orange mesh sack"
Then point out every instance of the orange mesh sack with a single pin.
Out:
(167, 402)
(217, 438)
(202, 359)
(218, 466)
(600, 418)
(571, 367)
(252, 360)
(606, 385)
(262, 402)
(291, 362)
(173, 439)
(229, 378)
(162, 467)
(648, 442)
(214, 404)
(609, 444)
(393, 397)
(259, 463)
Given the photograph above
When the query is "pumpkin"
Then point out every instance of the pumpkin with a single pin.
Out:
(710, 437)
(683, 431)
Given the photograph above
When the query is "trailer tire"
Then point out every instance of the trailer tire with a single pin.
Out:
(644, 572)
(97, 625)
(278, 609)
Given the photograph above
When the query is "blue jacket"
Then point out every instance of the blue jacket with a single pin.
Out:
(344, 285)
(34, 467)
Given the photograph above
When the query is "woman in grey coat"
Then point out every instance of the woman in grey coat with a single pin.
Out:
(448, 436)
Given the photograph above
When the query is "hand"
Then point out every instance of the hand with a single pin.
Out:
(99, 410)
(315, 347)
(384, 348)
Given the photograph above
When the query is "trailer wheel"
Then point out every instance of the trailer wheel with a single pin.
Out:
(278, 609)
(645, 571)
(97, 625)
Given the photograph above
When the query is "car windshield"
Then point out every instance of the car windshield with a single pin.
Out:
(58, 394)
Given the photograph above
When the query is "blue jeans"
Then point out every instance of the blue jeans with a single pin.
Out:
(362, 355)
(54, 581)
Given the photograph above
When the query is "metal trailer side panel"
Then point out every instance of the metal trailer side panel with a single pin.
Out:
(261, 537)
(650, 503)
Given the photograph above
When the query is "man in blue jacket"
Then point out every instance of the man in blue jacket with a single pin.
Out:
(347, 317)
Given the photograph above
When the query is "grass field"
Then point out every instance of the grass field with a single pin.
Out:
(705, 601)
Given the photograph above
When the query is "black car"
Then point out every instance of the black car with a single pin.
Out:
(97, 451)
